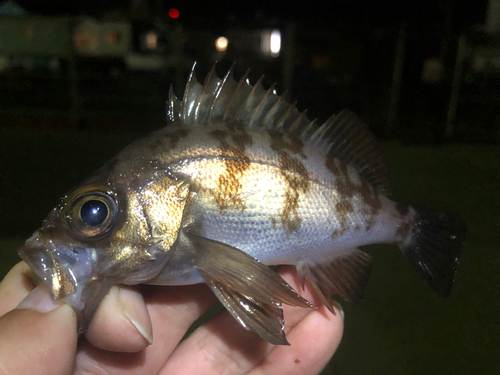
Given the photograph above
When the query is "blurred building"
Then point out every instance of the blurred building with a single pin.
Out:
(409, 75)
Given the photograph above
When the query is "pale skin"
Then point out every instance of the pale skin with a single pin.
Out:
(32, 341)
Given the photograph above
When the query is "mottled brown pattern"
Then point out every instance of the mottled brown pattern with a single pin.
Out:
(342, 208)
(347, 189)
(157, 143)
(372, 199)
(233, 143)
(402, 231)
(174, 138)
(295, 174)
(273, 221)
(290, 143)
(331, 165)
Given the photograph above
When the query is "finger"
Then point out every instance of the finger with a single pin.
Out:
(15, 286)
(312, 343)
(172, 310)
(121, 322)
(31, 334)
(222, 345)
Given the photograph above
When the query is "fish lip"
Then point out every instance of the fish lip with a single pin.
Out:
(38, 257)
(70, 269)
(51, 264)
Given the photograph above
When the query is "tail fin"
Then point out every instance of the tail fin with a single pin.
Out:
(433, 247)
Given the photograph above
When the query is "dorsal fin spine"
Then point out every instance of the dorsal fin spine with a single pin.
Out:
(217, 95)
(318, 135)
(241, 82)
(245, 107)
(310, 126)
(258, 110)
(185, 100)
(281, 122)
(171, 113)
(268, 119)
(328, 124)
(203, 92)
(298, 120)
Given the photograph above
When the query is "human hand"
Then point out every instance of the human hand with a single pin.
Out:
(38, 335)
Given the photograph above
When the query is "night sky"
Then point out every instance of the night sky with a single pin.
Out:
(200, 13)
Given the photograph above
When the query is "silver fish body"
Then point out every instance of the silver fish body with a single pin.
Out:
(293, 217)
(239, 180)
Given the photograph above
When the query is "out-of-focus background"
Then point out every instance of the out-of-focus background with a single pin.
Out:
(80, 80)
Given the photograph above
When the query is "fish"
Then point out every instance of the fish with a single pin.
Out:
(237, 181)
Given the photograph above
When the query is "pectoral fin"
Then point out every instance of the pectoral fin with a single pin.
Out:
(249, 290)
(264, 319)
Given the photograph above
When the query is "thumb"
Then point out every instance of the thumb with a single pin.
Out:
(39, 336)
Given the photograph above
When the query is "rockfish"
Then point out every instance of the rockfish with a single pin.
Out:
(237, 181)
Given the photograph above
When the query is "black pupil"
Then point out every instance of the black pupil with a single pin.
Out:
(94, 212)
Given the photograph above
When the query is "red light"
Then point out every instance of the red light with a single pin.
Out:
(173, 13)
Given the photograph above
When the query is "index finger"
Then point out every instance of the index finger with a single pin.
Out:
(15, 286)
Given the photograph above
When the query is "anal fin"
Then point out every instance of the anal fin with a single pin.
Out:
(250, 291)
(345, 276)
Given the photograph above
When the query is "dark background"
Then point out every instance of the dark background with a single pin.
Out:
(64, 113)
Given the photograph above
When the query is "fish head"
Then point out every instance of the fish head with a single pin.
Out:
(103, 234)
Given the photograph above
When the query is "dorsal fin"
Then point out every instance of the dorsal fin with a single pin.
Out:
(224, 100)
(347, 138)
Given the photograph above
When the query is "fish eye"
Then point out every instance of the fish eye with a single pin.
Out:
(91, 214)
(94, 212)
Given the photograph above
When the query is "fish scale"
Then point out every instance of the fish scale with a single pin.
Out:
(263, 200)
(239, 180)
(263, 196)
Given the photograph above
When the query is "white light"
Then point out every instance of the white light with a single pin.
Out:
(275, 43)
(221, 43)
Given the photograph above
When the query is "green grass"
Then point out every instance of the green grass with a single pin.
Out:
(401, 327)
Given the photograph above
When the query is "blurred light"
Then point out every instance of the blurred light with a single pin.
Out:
(221, 43)
(85, 40)
(270, 42)
(151, 40)
(275, 43)
(113, 37)
(173, 13)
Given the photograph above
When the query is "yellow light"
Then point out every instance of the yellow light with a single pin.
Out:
(221, 43)
(113, 38)
(151, 40)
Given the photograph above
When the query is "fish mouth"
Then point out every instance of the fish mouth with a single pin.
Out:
(61, 268)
